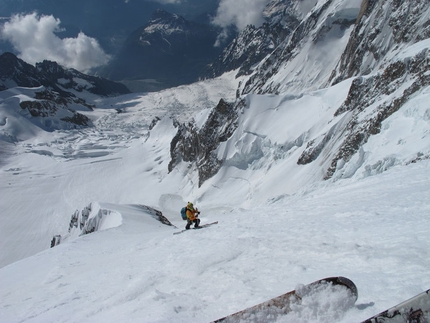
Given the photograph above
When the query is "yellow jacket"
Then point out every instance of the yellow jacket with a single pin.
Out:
(192, 214)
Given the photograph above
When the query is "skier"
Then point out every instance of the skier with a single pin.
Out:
(192, 214)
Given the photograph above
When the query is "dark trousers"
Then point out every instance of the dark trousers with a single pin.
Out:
(189, 222)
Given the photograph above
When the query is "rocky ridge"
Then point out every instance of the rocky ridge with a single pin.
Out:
(16, 72)
(58, 91)
(198, 146)
(369, 38)
(253, 44)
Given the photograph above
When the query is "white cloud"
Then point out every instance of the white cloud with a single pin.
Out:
(240, 13)
(34, 37)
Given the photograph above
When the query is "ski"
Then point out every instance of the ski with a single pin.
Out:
(198, 228)
(414, 310)
(283, 304)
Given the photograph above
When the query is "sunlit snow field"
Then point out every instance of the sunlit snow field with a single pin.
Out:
(279, 225)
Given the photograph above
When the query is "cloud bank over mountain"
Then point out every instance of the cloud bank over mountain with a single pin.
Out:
(238, 13)
(35, 38)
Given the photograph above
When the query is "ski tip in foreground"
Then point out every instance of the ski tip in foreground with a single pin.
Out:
(413, 310)
(335, 293)
(342, 281)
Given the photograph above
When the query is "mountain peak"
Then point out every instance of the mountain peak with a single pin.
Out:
(166, 23)
(164, 17)
(14, 71)
(169, 49)
(8, 56)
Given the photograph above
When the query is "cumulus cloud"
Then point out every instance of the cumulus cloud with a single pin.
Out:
(239, 13)
(34, 37)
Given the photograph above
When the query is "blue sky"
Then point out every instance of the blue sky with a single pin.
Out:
(83, 35)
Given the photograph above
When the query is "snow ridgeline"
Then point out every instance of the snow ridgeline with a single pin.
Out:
(93, 218)
(103, 216)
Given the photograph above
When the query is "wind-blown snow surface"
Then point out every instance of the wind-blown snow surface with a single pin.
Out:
(374, 231)
(279, 224)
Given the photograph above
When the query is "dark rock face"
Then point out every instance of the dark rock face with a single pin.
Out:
(249, 48)
(46, 112)
(197, 146)
(16, 70)
(59, 88)
(365, 92)
(382, 92)
(380, 27)
(389, 24)
(166, 52)
(289, 47)
(68, 78)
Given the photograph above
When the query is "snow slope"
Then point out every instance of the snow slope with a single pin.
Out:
(277, 228)
(280, 224)
(47, 176)
(373, 231)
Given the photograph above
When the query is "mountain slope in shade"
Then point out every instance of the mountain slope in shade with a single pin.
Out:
(53, 97)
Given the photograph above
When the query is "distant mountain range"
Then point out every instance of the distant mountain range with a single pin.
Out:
(16, 72)
(167, 51)
(109, 21)
(152, 49)
(56, 92)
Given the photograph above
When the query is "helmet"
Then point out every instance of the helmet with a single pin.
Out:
(190, 206)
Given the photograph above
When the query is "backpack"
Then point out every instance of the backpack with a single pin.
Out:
(184, 213)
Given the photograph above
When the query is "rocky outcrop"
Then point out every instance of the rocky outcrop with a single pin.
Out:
(92, 217)
(365, 92)
(16, 72)
(56, 89)
(386, 50)
(71, 79)
(48, 111)
(198, 146)
(253, 44)
(370, 101)
(51, 111)
(381, 26)
(312, 30)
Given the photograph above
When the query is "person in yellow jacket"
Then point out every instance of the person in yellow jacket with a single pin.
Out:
(192, 216)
